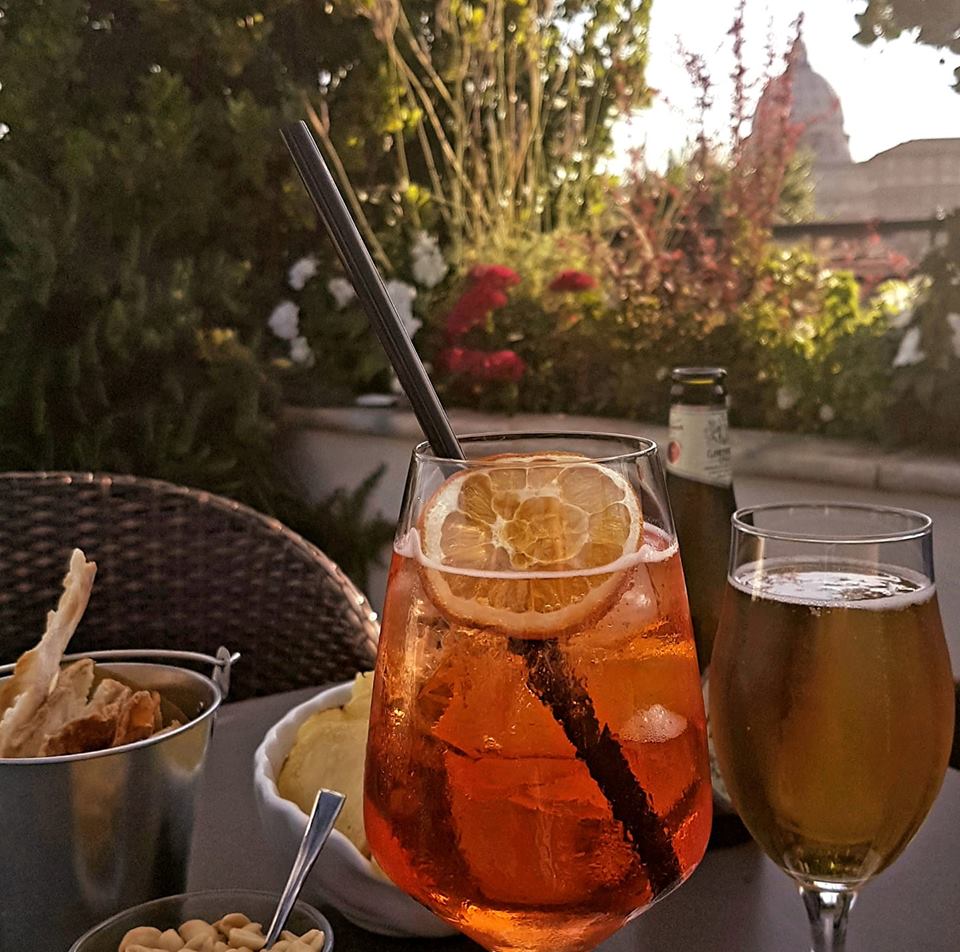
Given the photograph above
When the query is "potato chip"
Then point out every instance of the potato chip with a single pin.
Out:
(329, 751)
(358, 707)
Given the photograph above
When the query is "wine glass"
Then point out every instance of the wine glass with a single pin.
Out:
(537, 767)
(831, 700)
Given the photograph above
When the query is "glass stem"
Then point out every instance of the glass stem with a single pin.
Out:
(827, 910)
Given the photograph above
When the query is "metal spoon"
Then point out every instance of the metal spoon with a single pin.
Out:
(326, 809)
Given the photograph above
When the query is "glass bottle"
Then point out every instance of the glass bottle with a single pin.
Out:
(700, 486)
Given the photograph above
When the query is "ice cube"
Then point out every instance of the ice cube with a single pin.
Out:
(653, 725)
(634, 612)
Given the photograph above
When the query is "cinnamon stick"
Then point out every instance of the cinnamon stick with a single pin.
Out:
(550, 680)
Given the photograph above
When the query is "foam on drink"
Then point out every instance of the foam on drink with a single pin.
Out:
(819, 584)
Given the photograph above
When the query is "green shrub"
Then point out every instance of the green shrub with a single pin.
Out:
(148, 215)
(821, 356)
(802, 352)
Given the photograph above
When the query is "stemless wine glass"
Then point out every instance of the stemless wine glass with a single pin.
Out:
(537, 767)
(831, 697)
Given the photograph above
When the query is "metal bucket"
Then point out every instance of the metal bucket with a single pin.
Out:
(83, 836)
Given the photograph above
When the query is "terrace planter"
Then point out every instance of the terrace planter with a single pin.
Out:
(337, 447)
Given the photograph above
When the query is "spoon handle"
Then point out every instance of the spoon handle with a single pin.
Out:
(326, 809)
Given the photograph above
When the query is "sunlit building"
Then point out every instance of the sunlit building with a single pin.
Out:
(909, 184)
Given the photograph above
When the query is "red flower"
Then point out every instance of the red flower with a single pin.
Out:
(484, 293)
(502, 365)
(573, 281)
(495, 275)
(483, 365)
(453, 360)
(472, 308)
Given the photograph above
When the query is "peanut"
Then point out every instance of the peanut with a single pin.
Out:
(197, 927)
(232, 933)
(170, 941)
(146, 936)
(234, 920)
(246, 938)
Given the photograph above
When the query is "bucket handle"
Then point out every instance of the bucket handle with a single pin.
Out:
(222, 663)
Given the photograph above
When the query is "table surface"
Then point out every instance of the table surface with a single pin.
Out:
(736, 901)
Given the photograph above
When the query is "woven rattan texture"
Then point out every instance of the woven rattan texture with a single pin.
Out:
(179, 568)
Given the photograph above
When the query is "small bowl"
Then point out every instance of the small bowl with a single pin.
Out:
(343, 876)
(172, 911)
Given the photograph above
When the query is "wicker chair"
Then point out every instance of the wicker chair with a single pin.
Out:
(179, 568)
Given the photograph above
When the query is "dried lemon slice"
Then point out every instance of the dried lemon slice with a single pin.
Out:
(516, 542)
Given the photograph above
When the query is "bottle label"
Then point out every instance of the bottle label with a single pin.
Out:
(699, 445)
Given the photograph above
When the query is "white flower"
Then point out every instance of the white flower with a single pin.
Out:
(954, 321)
(403, 296)
(826, 413)
(786, 398)
(301, 272)
(900, 297)
(429, 268)
(284, 320)
(342, 291)
(900, 319)
(909, 352)
(300, 352)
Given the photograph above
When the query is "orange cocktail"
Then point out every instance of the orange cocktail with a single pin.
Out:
(537, 767)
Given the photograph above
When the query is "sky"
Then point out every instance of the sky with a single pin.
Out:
(890, 92)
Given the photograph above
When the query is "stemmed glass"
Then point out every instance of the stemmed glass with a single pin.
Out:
(831, 698)
(537, 768)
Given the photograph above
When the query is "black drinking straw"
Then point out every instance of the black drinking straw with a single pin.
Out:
(547, 674)
(369, 287)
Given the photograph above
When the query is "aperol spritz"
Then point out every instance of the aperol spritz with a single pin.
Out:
(537, 768)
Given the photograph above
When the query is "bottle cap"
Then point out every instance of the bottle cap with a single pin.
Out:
(692, 374)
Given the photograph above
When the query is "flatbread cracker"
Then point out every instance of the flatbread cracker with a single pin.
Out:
(139, 717)
(71, 691)
(93, 731)
(67, 701)
(47, 710)
(36, 671)
(110, 691)
(116, 715)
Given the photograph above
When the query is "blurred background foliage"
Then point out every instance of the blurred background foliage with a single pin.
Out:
(148, 216)
(933, 23)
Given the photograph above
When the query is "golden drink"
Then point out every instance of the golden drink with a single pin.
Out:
(492, 682)
(832, 712)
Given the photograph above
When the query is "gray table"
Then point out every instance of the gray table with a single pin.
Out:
(737, 901)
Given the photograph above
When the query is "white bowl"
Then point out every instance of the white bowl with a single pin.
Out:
(343, 876)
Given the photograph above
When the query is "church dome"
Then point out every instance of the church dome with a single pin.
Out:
(817, 108)
(813, 105)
